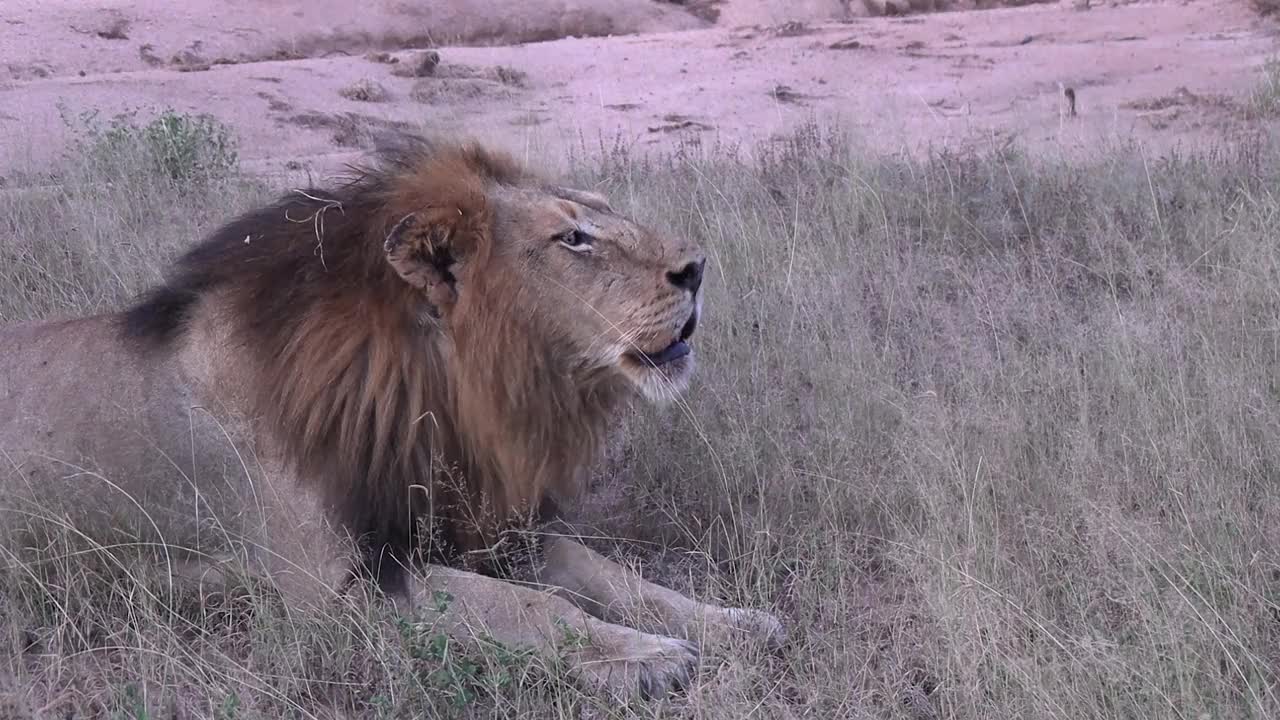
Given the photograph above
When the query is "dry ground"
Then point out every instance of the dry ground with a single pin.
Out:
(280, 73)
(995, 427)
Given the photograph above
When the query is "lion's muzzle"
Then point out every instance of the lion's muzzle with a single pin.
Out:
(677, 349)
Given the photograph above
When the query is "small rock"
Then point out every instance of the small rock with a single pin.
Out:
(421, 64)
(365, 90)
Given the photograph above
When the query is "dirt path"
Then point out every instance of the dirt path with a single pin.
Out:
(301, 92)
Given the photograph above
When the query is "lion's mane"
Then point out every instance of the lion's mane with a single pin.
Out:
(393, 419)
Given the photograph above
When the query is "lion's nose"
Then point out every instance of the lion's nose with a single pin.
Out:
(688, 277)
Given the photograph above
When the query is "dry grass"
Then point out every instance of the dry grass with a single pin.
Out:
(1264, 101)
(90, 235)
(1265, 8)
(997, 436)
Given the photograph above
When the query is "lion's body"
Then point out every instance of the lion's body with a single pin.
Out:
(306, 397)
(152, 450)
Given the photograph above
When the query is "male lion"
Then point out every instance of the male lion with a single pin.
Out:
(392, 380)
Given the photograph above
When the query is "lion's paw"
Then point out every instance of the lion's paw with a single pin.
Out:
(638, 664)
(760, 625)
(728, 626)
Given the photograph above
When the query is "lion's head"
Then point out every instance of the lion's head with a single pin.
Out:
(446, 314)
(607, 296)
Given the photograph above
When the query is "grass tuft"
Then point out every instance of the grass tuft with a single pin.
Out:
(105, 223)
(1265, 100)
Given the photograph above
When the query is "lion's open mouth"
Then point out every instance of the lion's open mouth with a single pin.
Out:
(675, 350)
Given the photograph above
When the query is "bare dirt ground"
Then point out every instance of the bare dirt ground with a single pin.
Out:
(301, 83)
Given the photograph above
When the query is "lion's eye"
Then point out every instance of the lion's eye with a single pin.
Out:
(576, 240)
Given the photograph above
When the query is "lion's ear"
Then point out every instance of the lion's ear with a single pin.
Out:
(593, 200)
(426, 248)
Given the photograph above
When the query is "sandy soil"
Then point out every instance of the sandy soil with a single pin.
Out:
(303, 82)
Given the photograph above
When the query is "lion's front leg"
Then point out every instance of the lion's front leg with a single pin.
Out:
(613, 659)
(616, 594)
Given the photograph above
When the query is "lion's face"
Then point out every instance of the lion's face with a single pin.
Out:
(618, 296)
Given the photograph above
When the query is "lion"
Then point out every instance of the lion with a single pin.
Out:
(399, 382)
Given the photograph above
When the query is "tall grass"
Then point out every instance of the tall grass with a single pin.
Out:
(90, 234)
(1264, 101)
(996, 435)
